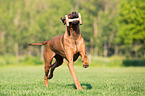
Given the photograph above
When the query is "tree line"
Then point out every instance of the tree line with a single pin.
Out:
(110, 27)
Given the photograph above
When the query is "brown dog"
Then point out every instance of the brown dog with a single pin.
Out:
(69, 46)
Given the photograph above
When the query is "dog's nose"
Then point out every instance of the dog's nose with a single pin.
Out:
(74, 12)
(74, 15)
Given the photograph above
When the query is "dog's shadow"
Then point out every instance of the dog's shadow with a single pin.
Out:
(85, 86)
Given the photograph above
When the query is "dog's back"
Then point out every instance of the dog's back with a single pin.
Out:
(56, 45)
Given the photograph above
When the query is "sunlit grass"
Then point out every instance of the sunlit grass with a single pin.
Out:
(95, 81)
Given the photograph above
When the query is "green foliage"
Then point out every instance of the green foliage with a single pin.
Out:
(26, 21)
(22, 61)
(131, 22)
(95, 81)
(94, 61)
(134, 62)
(6, 60)
(107, 62)
(30, 60)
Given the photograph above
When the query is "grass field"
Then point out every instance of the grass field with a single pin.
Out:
(28, 80)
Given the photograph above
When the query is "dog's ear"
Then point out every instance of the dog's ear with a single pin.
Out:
(63, 20)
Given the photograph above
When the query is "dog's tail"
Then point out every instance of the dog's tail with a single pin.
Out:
(43, 43)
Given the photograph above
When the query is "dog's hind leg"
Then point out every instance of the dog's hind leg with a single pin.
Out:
(58, 62)
(48, 55)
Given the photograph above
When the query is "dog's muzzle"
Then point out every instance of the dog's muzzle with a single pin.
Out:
(74, 21)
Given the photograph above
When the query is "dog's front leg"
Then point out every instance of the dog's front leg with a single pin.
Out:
(84, 60)
(84, 57)
(82, 51)
(71, 68)
(72, 71)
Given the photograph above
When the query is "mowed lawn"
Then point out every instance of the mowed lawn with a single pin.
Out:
(28, 81)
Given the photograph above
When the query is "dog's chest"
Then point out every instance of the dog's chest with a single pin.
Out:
(74, 46)
(71, 44)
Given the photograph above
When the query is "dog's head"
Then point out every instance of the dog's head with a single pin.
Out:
(72, 18)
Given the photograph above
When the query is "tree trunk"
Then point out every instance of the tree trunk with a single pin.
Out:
(76, 5)
(17, 52)
(95, 35)
(2, 38)
(116, 50)
(144, 55)
(91, 47)
(29, 51)
(105, 49)
(95, 28)
(42, 50)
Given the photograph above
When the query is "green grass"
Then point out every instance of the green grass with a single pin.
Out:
(28, 81)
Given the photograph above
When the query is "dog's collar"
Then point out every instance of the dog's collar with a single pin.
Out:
(75, 19)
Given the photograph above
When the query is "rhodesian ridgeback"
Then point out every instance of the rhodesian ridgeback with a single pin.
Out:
(69, 46)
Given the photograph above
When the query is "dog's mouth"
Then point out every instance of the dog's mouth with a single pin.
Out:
(72, 18)
(73, 15)
(74, 22)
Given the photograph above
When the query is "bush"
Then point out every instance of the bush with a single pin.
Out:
(129, 62)
(24, 60)
(31, 60)
(94, 61)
